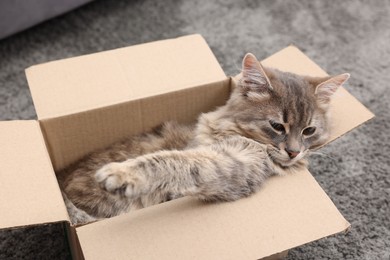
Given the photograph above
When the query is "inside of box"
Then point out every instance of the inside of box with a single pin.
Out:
(70, 138)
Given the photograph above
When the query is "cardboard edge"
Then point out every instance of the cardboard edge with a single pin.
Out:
(369, 118)
(74, 243)
(278, 256)
(346, 225)
(342, 232)
(196, 35)
(47, 157)
(294, 50)
(195, 38)
(34, 225)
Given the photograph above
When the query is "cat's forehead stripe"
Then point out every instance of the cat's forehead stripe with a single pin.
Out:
(285, 115)
(297, 109)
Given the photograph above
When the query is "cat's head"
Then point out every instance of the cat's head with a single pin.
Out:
(284, 110)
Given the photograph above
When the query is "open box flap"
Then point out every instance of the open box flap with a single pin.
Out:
(29, 193)
(93, 81)
(289, 211)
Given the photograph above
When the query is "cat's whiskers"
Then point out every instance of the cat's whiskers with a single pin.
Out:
(315, 153)
(310, 152)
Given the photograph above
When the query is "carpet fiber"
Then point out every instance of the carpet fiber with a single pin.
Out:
(347, 36)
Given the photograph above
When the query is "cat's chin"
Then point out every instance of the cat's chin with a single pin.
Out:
(293, 166)
(299, 163)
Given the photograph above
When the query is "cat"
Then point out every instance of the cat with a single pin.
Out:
(267, 127)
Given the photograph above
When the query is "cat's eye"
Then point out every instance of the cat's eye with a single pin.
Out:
(278, 127)
(309, 130)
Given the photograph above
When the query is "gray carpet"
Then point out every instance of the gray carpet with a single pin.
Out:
(343, 36)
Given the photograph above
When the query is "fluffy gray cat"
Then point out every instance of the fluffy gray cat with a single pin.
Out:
(268, 125)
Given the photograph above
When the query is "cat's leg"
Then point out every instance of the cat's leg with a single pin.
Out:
(228, 170)
(77, 216)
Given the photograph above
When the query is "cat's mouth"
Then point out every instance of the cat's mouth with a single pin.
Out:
(282, 158)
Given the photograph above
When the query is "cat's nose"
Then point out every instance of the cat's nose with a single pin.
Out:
(291, 153)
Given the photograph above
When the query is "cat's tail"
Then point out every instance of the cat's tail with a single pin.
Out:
(77, 216)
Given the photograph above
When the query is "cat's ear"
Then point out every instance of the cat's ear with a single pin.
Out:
(326, 89)
(254, 81)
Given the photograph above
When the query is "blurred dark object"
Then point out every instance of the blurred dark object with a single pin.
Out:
(18, 15)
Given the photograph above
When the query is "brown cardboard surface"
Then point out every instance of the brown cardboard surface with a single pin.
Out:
(88, 82)
(289, 211)
(29, 193)
(71, 137)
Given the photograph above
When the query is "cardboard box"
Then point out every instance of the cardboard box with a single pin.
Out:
(88, 102)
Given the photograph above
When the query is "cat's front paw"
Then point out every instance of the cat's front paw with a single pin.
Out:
(120, 178)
